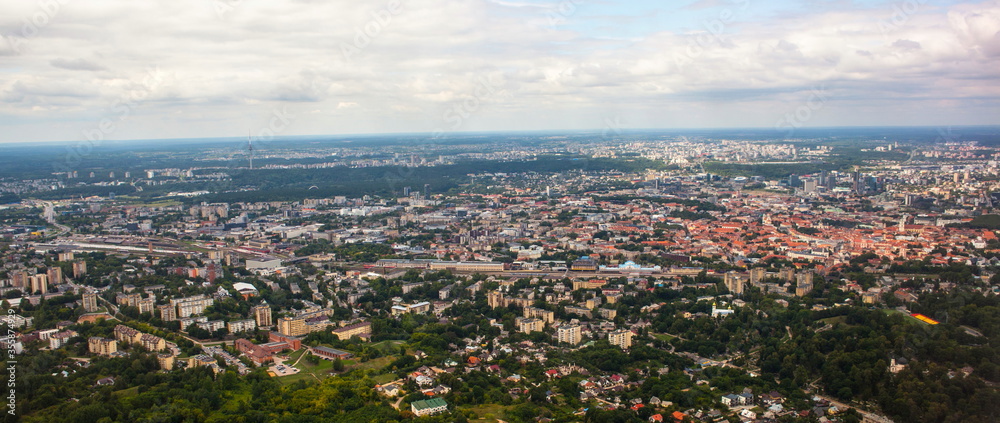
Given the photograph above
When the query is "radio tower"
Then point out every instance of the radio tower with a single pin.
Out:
(250, 149)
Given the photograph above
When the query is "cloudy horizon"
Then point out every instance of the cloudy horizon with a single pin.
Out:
(220, 68)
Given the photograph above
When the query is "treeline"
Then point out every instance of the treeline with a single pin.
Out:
(770, 171)
(986, 221)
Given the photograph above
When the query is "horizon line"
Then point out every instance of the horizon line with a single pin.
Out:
(431, 134)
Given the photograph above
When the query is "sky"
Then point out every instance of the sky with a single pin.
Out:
(96, 70)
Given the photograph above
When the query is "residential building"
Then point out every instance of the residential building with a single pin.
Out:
(570, 334)
(530, 325)
(102, 346)
(262, 314)
(90, 302)
(241, 325)
(621, 338)
(168, 313)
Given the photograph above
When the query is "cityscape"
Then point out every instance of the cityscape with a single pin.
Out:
(560, 278)
(500, 211)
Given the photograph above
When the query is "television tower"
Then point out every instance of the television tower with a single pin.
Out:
(250, 149)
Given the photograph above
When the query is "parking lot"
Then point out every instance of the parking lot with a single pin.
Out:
(280, 369)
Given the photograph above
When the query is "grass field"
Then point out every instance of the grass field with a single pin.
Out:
(375, 364)
(124, 393)
(833, 321)
(488, 412)
(906, 317)
(383, 379)
(663, 337)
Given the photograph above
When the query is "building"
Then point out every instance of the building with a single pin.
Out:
(188, 321)
(57, 340)
(803, 284)
(190, 306)
(621, 338)
(102, 346)
(19, 279)
(495, 299)
(607, 313)
(90, 302)
(429, 407)
(262, 314)
(292, 326)
(55, 275)
(591, 284)
(146, 305)
(79, 269)
(168, 313)
(578, 311)
(418, 308)
(39, 283)
(331, 354)
(126, 334)
(539, 313)
(360, 329)
(584, 264)
(241, 325)
(152, 342)
(735, 282)
(266, 263)
(211, 325)
(570, 334)
(166, 361)
(530, 325)
(467, 266)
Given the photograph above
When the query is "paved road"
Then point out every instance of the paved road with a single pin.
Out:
(869, 416)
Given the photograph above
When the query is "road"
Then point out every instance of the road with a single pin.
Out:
(869, 416)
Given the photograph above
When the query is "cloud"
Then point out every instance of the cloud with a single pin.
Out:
(76, 64)
(414, 63)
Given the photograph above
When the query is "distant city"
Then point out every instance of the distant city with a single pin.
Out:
(720, 275)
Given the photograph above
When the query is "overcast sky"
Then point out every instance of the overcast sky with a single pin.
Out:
(71, 69)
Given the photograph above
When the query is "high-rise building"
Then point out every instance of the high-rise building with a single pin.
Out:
(79, 269)
(292, 326)
(90, 302)
(19, 279)
(262, 314)
(168, 312)
(621, 338)
(803, 284)
(810, 185)
(570, 334)
(495, 299)
(735, 282)
(146, 305)
(530, 325)
(166, 361)
(55, 275)
(39, 283)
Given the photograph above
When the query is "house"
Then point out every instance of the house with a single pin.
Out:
(772, 397)
(656, 418)
(108, 381)
(729, 400)
(678, 416)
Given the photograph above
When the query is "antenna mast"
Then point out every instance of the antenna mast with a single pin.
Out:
(250, 149)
